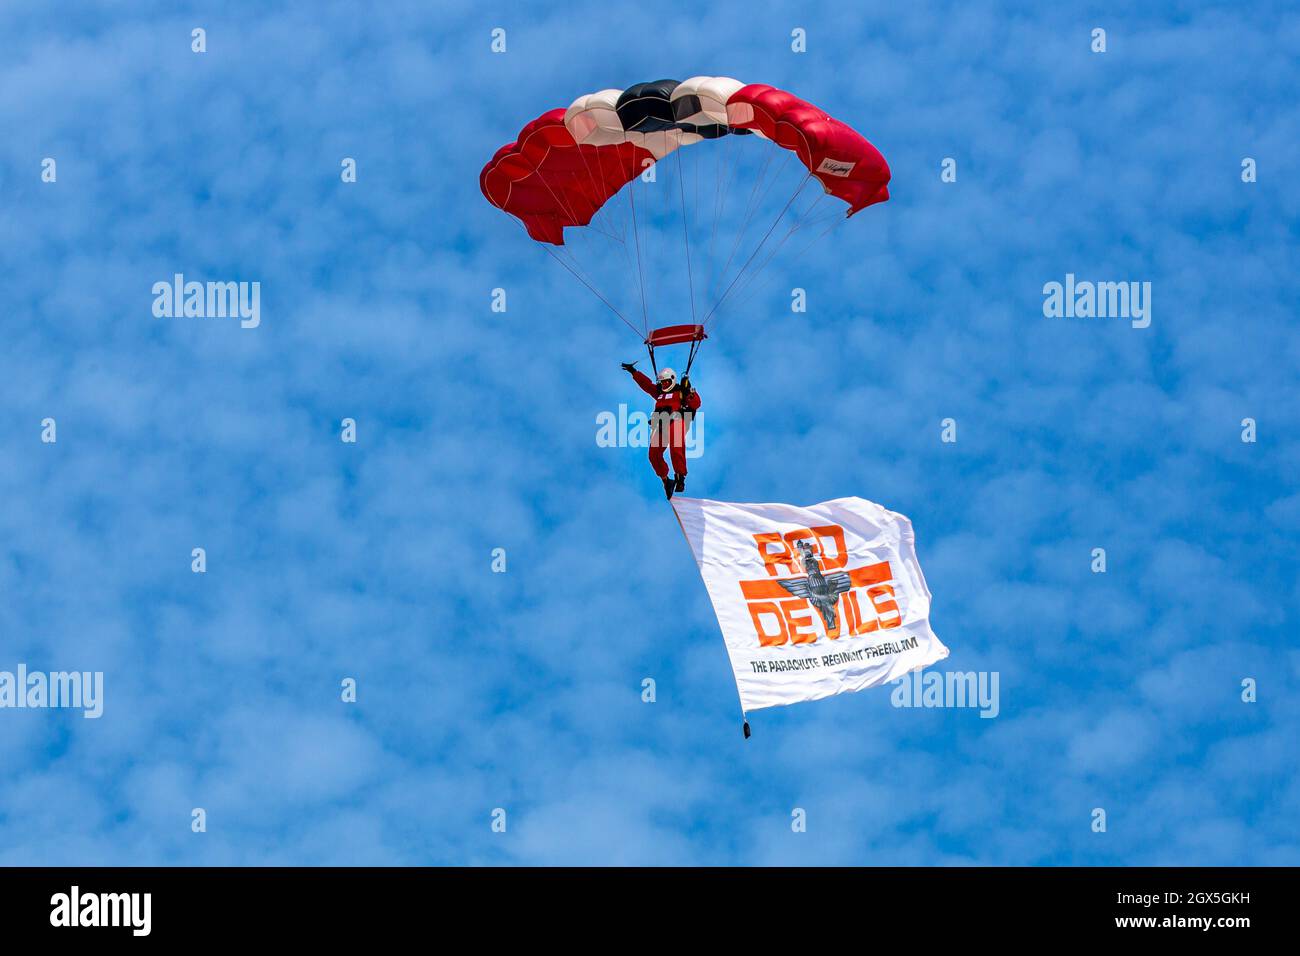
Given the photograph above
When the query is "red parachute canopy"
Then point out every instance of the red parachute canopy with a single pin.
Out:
(551, 178)
(549, 181)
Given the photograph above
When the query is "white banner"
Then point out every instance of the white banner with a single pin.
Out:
(812, 601)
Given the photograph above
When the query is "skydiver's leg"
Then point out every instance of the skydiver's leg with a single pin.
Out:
(677, 442)
(678, 438)
(657, 450)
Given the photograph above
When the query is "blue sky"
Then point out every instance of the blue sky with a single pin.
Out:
(476, 431)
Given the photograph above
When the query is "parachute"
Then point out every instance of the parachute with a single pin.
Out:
(566, 167)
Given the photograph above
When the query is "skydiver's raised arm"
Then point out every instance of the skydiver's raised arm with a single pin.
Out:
(646, 383)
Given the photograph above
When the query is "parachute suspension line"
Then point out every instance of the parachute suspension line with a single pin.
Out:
(750, 207)
(695, 168)
(800, 220)
(665, 245)
(633, 272)
(640, 273)
(690, 359)
(594, 292)
(696, 164)
(723, 174)
(609, 216)
(613, 210)
(615, 217)
(779, 215)
(596, 190)
(686, 235)
(565, 206)
(835, 220)
(805, 221)
(653, 237)
(600, 177)
(568, 253)
(830, 222)
(744, 224)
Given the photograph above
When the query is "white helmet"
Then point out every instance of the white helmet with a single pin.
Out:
(667, 378)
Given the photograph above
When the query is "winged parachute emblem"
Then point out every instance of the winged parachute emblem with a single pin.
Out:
(822, 591)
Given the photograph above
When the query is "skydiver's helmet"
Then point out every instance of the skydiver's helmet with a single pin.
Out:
(667, 379)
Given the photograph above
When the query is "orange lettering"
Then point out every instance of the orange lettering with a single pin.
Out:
(835, 533)
(801, 629)
(782, 557)
(766, 638)
(871, 574)
(882, 596)
(852, 614)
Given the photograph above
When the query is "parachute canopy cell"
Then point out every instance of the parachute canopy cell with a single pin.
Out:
(567, 163)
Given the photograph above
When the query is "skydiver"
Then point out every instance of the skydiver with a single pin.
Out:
(675, 405)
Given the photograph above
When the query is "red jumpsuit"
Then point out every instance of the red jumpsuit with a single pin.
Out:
(663, 426)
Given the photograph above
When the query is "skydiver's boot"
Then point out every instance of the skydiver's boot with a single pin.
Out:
(668, 487)
(681, 483)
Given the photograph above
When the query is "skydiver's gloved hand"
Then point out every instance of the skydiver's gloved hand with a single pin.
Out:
(686, 384)
(629, 366)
